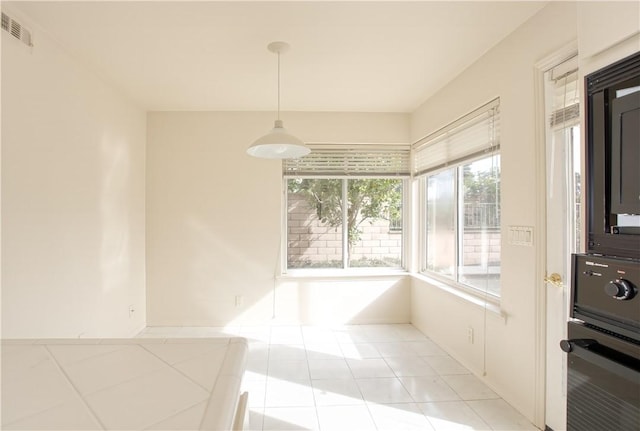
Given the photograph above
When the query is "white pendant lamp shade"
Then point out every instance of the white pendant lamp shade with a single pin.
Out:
(278, 143)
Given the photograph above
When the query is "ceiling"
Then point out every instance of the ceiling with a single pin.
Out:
(209, 55)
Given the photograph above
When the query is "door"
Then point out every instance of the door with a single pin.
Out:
(563, 225)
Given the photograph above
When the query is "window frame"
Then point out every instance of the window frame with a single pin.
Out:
(452, 281)
(422, 174)
(348, 161)
(345, 270)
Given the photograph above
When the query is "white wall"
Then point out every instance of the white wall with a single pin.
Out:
(73, 162)
(607, 29)
(506, 71)
(214, 217)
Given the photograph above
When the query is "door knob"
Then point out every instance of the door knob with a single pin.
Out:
(554, 279)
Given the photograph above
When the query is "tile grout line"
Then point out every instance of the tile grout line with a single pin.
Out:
(313, 392)
(366, 405)
(266, 383)
(75, 389)
(185, 376)
(478, 414)
(144, 373)
(398, 377)
(177, 370)
(139, 345)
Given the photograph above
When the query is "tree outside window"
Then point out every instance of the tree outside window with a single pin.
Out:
(316, 216)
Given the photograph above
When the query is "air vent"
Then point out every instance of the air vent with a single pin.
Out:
(15, 29)
(5, 21)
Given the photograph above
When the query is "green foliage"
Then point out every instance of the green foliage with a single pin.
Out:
(368, 200)
(481, 186)
(481, 181)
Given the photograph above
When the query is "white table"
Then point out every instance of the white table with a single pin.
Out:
(117, 384)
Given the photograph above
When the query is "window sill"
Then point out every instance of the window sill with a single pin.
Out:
(343, 273)
(486, 302)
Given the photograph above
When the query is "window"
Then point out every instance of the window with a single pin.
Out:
(459, 171)
(563, 131)
(344, 207)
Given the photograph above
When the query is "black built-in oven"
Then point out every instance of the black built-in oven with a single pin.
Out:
(603, 345)
(603, 381)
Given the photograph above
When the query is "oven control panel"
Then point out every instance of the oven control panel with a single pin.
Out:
(606, 288)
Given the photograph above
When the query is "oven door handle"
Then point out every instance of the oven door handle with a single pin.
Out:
(583, 348)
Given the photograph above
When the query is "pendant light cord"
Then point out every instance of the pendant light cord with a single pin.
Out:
(278, 84)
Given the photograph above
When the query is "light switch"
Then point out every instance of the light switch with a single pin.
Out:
(521, 235)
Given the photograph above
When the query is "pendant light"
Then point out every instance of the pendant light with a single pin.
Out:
(278, 143)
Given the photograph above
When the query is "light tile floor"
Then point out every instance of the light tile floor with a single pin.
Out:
(358, 377)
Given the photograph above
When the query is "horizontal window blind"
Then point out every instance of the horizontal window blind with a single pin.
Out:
(353, 160)
(565, 98)
(472, 135)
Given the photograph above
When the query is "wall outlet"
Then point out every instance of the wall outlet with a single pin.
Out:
(132, 310)
(470, 334)
(239, 300)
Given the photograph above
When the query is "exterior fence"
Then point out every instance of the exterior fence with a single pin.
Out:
(481, 215)
(311, 243)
